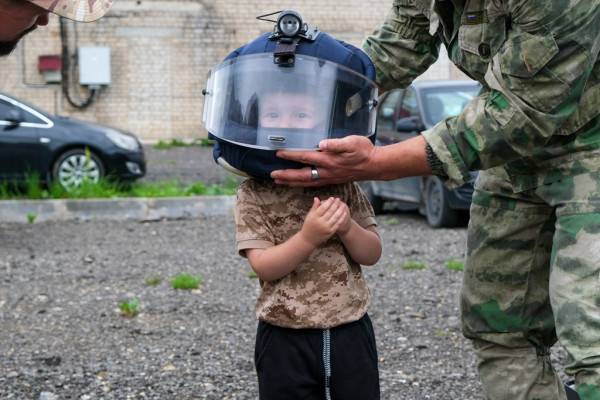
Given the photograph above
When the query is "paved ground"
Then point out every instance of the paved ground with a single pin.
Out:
(183, 164)
(62, 334)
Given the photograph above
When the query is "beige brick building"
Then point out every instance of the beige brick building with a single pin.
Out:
(161, 51)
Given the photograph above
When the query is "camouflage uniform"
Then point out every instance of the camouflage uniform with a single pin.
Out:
(326, 290)
(533, 259)
(78, 10)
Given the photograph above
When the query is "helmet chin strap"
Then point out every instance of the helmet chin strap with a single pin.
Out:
(221, 161)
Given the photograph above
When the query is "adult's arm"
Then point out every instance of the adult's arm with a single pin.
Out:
(536, 80)
(354, 158)
(401, 49)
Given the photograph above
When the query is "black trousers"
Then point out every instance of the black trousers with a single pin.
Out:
(294, 363)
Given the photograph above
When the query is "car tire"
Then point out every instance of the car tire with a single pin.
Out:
(73, 166)
(376, 201)
(437, 207)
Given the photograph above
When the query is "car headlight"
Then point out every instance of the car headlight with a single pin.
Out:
(121, 140)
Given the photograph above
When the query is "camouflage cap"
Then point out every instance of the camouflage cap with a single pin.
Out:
(78, 10)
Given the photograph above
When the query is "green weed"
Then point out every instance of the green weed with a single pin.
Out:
(106, 188)
(413, 265)
(186, 281)
(31, 217)
(455, 265)
(252, 275)
(129, 308)
(391, 221)
(169, 144)
(153, 281)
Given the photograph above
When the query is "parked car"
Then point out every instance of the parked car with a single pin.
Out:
(61, 149)
(403, 114)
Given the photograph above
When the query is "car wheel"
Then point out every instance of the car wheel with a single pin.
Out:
(437, 210)
(74, 166)
(376, 201)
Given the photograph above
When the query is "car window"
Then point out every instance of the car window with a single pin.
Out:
(5, 106)
(386, 114)
(441, 103)
(409, 104)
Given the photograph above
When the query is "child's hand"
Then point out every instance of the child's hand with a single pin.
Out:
(345, 219)
(323, 220)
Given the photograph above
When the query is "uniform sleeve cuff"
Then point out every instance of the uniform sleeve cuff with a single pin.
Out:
(366, 222)
(452, 167)
(244, 245)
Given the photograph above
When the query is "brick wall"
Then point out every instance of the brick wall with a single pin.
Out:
(161, 51)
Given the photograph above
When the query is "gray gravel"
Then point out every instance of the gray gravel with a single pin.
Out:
(62, 336)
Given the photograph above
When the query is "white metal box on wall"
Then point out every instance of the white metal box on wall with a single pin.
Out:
(94, 66)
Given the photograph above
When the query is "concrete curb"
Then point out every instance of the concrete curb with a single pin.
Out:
(141, 209)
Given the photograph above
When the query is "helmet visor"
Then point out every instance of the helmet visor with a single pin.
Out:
(253, 102)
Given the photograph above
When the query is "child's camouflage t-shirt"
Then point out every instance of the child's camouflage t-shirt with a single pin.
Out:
(326, 290)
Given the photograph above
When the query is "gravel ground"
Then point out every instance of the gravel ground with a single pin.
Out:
(62, 336)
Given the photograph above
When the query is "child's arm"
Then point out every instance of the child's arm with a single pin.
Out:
(322, 222)
(363, 244)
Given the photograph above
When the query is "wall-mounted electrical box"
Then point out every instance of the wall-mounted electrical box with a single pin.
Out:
(94, 66)
(50, 67)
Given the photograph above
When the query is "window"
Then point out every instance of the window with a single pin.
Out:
(5, 107)
(441, 103)
(28, 117)
(409, 104)
(386, 115)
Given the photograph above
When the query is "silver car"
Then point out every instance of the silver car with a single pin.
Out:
(403, 114)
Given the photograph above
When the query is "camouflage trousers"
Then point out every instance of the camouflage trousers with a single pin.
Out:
(532, 276)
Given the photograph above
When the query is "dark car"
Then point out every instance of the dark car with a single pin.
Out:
(64, 150)
(404, 113)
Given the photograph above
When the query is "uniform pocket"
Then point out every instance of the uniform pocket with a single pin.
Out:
(525, 55)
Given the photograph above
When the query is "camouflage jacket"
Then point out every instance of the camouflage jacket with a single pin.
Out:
(538, 115)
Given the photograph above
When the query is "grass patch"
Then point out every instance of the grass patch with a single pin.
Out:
(129, 308)
(252, 275)
(153, 281)
(35, 190)
(31, 217)
(186, 281)
(413, 265)
(391, 221)
(170, 144)
(455, 265)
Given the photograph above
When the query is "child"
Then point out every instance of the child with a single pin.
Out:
(306, 245)
(289, 90)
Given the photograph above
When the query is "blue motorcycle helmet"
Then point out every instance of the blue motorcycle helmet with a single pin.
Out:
(288, 89)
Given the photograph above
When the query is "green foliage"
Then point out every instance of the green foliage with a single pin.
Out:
(391, 221)
(252, 275)
(130, 308)
(153, 281)
(107, 188)
(455, 265)
(31, 217)
(440, 333)
(413, 265)
(204, 142)
(186, 281)
(33, 186)
(169, 144)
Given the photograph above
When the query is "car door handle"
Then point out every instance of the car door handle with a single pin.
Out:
(44, 140)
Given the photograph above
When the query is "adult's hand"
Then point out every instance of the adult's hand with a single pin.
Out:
(354, 158)
(340, 160)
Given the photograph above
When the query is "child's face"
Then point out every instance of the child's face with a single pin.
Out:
(288, 110)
